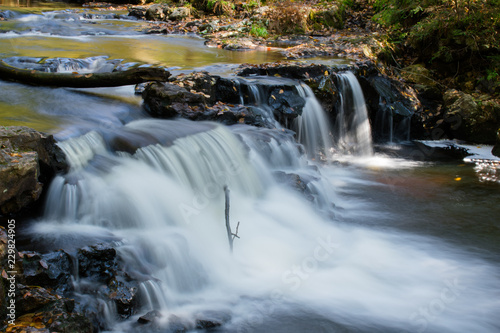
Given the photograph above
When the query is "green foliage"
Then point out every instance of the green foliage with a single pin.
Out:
(456, 35)
(219, 7)
(252, 4)
(259, 31)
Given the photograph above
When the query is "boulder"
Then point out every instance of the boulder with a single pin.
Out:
(139, 12)
(51, 270)
(422, 80)
(286, 104)
(332, 17)
(471, 119)
(496, 149)
(200, 96)
(19, 182)
(158, 12)
(167, 100)
(179, 13)
(28, 160)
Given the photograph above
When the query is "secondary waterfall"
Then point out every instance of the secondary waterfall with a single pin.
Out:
(352, 131)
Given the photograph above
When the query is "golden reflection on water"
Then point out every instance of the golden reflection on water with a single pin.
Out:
(178, 51)
(20, 115)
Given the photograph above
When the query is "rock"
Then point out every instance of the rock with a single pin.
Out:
(469, 121)
(97, 262)
(139, 12)
(288, 70)
(51, 270)
(167, 100)
(19, 182)
(200, 96)
(424, 84)
(149, 317)
(158, 12)
(332, 17)
(496, 149)
(55, 316)
(34, 298)
(287, 104)
(179, 13)
(296, 182)
(124, 293)
(6, 14)
(28, 159)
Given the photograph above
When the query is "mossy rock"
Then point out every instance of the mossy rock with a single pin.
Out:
(333, 18)
(474, 120)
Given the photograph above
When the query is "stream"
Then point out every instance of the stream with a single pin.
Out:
(374, 243)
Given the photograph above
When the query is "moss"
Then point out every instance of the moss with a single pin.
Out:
(332, 18)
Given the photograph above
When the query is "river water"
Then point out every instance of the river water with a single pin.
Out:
(373, 244)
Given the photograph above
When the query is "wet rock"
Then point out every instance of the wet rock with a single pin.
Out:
(208, 320)
(332, 17)
(422, 80)
(97, 262)
(19, 182)
(52, 317)
(158, 12)
(167, 100)
(288, 70)
(287, 104)
(35, 298)
(391, 105)
(139, 12)
(294, 181)
(467, 120)
(28, 159)
(123, 291)
(446, 152)
(201, 97)
(496, 149)
(51, 270)
(6, 14)
(149, 317)
(179, 13)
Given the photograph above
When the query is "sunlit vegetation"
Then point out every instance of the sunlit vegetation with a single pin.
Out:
(454, 36)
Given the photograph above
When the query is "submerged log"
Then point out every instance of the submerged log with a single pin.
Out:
(76, 80)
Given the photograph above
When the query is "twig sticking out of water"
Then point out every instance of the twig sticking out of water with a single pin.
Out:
(228, 224)
(230, 235)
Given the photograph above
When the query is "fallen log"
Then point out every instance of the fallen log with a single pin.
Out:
(77, 80)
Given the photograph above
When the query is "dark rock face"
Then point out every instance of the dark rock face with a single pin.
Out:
(28, 160)
(474, 123)
(200, 96)
(46, 286)
(295, 182)
(52, 270)
(102, 268)
(496, 149)
(138, 12)
(386, 99)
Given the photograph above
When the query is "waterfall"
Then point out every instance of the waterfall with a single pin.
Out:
(160, 193)
(352, 130)
(313, 127)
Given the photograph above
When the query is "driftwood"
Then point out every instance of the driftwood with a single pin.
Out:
(76, 80)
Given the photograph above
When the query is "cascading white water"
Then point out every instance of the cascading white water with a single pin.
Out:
(352, 129)
(166, 204)
(313, 126)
